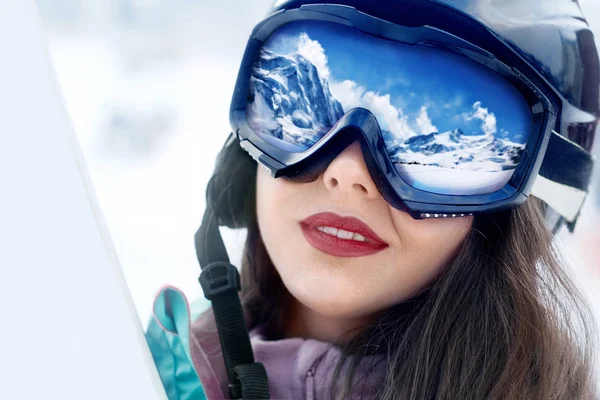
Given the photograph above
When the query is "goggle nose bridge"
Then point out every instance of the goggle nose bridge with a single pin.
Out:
(364, 127)
(357, 124)
(357, 117)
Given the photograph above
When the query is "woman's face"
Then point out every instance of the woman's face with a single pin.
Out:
(381, 258)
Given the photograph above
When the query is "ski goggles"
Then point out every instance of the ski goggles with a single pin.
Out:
(446, 128)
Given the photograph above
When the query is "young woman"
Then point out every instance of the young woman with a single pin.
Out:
(392, 251)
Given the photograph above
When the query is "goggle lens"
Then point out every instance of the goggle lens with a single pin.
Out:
(450, 125)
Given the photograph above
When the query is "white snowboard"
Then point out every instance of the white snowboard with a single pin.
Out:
(68, 328)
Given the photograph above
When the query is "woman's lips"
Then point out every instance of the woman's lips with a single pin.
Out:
(365, 243)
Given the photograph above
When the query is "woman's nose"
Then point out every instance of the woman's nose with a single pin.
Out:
(348, 173)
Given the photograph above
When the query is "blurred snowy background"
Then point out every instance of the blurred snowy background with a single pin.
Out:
(147, 84)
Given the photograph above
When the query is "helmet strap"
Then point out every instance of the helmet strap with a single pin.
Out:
(220, 281)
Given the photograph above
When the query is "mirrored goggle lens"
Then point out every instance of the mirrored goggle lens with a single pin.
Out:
(450, 125)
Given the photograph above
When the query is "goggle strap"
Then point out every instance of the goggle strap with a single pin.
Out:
(564, 176)
(564, 199)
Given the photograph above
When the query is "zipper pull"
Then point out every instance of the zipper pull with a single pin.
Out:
(310, 384)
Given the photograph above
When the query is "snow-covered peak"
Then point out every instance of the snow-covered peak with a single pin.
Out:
(290, 101)
(454, 149)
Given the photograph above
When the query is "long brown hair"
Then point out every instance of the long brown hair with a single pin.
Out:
(504, 321)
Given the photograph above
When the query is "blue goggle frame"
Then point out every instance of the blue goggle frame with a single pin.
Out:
(542, 101)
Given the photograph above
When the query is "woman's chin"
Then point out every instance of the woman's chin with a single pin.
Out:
(334, 302)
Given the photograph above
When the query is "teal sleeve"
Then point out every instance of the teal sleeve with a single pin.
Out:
(167, 337)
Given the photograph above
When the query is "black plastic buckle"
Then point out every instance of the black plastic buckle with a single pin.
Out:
(235, 391)
(219, 277)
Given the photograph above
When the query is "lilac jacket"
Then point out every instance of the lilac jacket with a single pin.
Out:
(190, 362)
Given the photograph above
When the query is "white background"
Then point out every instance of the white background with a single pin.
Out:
(148, 85)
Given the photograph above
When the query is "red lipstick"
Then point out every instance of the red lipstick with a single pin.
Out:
(344, 246)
